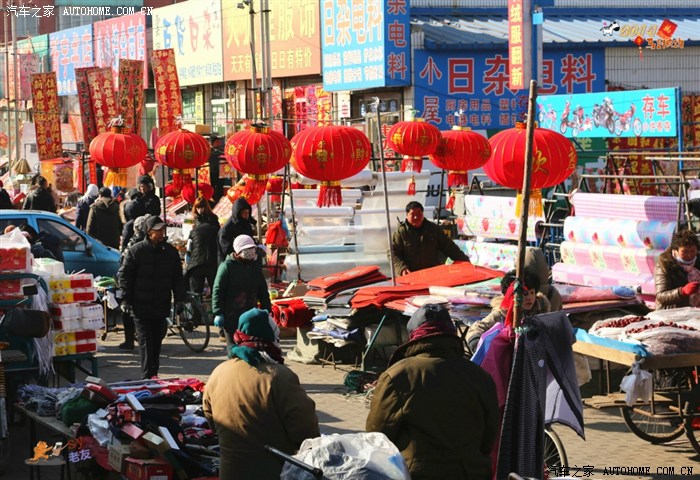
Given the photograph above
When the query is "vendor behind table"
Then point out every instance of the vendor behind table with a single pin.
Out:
(677, 272)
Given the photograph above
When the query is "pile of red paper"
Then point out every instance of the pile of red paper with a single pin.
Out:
(461, 273)
(291, 312)
(380, 296)
(337, 282)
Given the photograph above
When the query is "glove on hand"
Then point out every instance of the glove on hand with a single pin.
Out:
(179, 307)
(219, 321)
(690, 288)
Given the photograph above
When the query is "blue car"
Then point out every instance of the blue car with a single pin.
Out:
(80, 250)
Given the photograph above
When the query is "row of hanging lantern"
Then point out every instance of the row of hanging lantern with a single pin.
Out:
(329, 154)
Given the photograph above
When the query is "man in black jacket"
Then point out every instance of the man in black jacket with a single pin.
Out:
(419, 243)
(148, 202)
(5, 201)
(240, 223)
(40, 198)
(150, 273)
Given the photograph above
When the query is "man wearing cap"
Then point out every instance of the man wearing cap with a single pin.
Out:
(148, 202)
(253, 400)
(239, 286)
(436, 406)
(419, 243)
(103, 222)
(150, 274)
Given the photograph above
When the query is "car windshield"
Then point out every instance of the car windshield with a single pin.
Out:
(71, 241)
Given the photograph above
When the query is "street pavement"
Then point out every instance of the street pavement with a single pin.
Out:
(608, 445)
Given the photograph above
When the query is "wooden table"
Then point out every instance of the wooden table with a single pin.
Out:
(56, 426)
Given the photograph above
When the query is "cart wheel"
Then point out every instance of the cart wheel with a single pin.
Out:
(692, 418)
(665, 422)
(554, 453)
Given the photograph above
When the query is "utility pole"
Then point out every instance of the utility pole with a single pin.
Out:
(18, 143)
(6, 86)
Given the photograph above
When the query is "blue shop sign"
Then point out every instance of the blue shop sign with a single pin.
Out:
(70, 49)
(472, 89)
(365, 44)
(631, 113)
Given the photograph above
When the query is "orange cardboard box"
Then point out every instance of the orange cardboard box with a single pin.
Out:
(149, 469)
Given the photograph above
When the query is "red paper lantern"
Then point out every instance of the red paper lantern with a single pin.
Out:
(460, 150)
(257, 151)
(414, 139)
(183, 151)
(117, 150)
(553, 159)
(330, 154)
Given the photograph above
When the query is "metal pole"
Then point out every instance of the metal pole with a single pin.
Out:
(254, 72)
(268, 59)
(288, 175)
(6, 86)
(13, 22)
(386, 193)
(263, 64)
(525, 199)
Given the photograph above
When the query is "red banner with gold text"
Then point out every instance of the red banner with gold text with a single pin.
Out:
(104, 103)
(168, 94)
(131, 93)
(47, 121)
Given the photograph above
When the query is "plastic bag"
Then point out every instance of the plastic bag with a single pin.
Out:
(637, 385)
(357, 456)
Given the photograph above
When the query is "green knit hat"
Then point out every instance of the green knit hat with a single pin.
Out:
(255, 322)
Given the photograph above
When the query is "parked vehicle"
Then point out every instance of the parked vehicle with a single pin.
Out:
(80, 250)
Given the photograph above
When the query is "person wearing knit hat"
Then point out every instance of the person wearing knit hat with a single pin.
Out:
(239, 286)
(253, 400)
(148, 202)
(5, 202)
(436, 406)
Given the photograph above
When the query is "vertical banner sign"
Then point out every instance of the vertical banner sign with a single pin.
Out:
(104, 103)
(27, 65)
(366, 44)
(518, 51)
(168, 95)
(120, 38)
(69, 49)
(130, 95)
(47, 120)
(87, 117)
(193, 31)
(294, 40)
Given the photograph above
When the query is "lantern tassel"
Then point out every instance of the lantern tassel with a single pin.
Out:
(457, 178)
(411, 164)
(329, 195)
(451, 201)
(254, 189)
(116, 177)
(411, 186)
(534, 208)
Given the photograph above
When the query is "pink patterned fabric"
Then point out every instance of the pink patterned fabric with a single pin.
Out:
(627, 207)
(608, 257)
(591, 277)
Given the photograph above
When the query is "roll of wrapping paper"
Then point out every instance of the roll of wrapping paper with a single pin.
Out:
(496, 227)
(653, 234)
(486, 206)
(608, 257)
(500, 256)
(295, 315)
(694, 184)
(591, 277)
(627, 207)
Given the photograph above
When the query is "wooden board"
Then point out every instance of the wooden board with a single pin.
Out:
(653, 362)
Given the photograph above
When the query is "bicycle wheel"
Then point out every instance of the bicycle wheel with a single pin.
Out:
(193, 325)
(554, 453)
(663, 423)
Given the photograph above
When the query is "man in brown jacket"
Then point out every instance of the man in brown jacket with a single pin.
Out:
(253, 400)
(436, 406)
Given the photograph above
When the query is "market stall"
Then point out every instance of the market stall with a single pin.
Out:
(660, 396)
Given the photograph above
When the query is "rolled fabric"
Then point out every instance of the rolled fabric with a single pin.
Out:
(496, 227)
(627, 207)
(591, 277)
(296, 316)
(652, 234)
(608, 257)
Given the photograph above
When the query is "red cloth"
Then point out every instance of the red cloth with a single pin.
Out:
(291, 312)
(380, 296)
(462, 273)
(341, 280)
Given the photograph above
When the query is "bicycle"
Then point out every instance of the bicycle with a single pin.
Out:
(192, 324)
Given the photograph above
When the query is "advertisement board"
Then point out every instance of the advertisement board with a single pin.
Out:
(69, 49)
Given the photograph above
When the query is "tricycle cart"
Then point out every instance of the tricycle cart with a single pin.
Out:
(675, 402)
